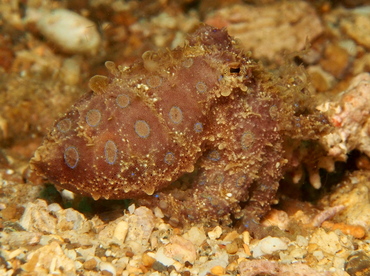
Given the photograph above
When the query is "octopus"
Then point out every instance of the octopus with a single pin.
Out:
(200, 131)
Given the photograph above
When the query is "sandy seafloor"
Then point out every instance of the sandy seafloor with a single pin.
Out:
(48, 52)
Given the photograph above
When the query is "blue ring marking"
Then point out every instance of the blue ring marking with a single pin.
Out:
(93, 122)
(201, 87)
(198, 127)
(219, 178)
(144, 124)
(175, 114)
(64, 125)
(169, 158)
(247, 140)
(187, 63)
(109, 148)
(202, 178)
(154, 81)
(68, 151)
(214, 155)
(241, 181)
(126, 101)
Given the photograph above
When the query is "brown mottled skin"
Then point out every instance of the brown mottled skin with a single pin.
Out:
(205, 114)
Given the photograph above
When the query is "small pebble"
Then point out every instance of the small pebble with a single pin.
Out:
(107, 269)
(276, 218)
(70, 31)
(15, 253)
(147, 260)
(218, 270)
(90, 264)
(327, 242)
(357, 27)
(231, 236)
(247, 250)
(196, 235)
(336, 60)
(268, 245)
(120, 232)
(246, 237)
(215, 233)
(301, 241)
(158, 212)
(9, 212)
(131, 208)
(181, 250)
(232, 248)
(318, 254)
(158, 266)
(106, 273)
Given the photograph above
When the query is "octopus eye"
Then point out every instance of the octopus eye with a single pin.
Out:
(234, 68)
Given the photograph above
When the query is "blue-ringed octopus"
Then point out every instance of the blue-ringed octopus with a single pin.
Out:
(200, 131)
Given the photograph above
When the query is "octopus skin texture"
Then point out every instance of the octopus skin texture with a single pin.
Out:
(198, 131)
